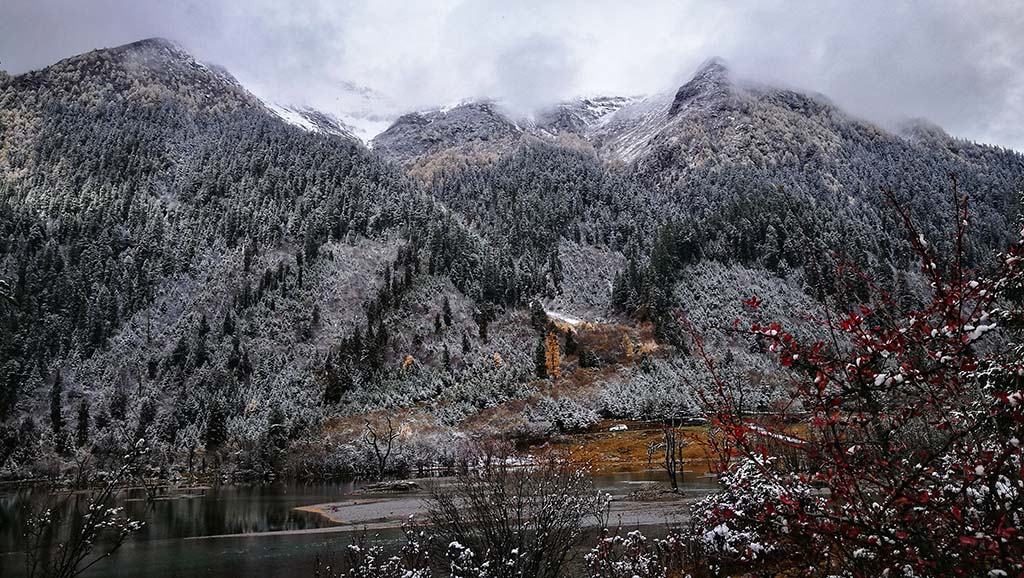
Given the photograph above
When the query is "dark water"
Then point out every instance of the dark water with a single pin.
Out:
(167, 546)
(222, 531)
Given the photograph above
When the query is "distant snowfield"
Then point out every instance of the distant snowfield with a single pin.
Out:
(370, 114)
(366, 129)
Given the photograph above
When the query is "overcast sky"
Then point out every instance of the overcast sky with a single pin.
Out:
(959, 64)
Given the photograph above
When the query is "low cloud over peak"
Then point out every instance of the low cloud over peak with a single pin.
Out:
(955, 63)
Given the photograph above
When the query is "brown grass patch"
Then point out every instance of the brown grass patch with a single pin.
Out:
(626, 451)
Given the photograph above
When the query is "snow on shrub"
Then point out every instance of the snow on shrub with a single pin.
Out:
(902, 433)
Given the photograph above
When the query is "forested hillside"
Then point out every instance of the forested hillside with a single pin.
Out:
(162, 235)
(185, 266)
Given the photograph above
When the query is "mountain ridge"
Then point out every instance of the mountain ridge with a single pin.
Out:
(188, 264)
(152, 61)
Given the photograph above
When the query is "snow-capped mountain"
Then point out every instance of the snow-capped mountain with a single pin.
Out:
(625, 132)
(365, 111)
(169, 238)
(485, 127)
(469, 127)
(313, 120)
(143, 71)
(582, 115)
(350, 110)
(630, 131)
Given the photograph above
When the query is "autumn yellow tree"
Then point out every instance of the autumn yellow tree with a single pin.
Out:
(627, 344)
(553, 359)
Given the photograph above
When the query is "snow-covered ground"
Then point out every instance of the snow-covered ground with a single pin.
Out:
(292, 117)
(564, 318)
(362, 128)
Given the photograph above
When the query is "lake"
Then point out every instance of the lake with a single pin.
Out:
(237, 531)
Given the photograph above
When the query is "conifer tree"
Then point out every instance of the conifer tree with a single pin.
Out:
(82, 431)
(332, 385)
(235, 357)
(180, 352)
(245, 366)
(56, 405)
(483, 317)
(446, 309)
(200, 355)
(147, 413)
(538, 317)
(277, 438)
(228, 327)
(310, 243)
(540, 359)
(119, 404)
(216, 432)
(571, 347)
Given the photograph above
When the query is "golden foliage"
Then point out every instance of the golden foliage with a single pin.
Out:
(627, 344)
(553, 359)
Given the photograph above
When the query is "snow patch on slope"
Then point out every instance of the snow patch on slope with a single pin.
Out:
(312, 120)
(563, 318)
(625, 132)
(291, 117)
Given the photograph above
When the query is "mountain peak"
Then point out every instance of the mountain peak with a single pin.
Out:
(714, 68)
(148, 48)
(580, 114)
(475, 125)
(921, 130)
(712, 79)
(152, 42)
(144, 71)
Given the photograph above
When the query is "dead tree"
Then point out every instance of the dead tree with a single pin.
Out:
(652, 448)
(673, 457)
(382, 441)
(518, 522)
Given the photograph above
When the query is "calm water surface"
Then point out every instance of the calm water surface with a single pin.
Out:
(222, 531)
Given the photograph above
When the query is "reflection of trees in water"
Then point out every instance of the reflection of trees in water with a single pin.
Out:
(175, 513)
(70, 533)
(232, 509)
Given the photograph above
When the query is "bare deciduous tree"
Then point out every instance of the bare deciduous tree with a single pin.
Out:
(521, 522)
(382, 440)
(674, 443)
(652, 448)
(62, 540)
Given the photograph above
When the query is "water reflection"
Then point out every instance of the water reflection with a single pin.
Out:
(171, 544)
(175, 514)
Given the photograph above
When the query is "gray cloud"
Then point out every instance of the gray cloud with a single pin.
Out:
(536, 72)
(955, 62)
